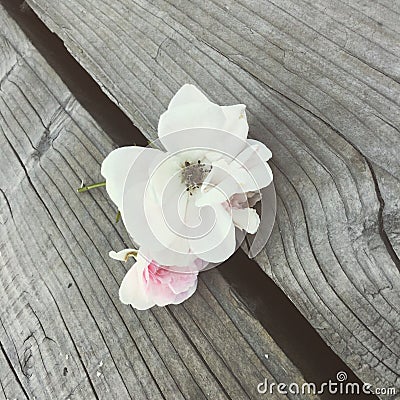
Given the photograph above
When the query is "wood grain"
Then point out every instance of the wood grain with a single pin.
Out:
(64, 334)
(321, 82)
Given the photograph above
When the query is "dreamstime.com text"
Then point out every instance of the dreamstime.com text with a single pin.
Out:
(331, 387)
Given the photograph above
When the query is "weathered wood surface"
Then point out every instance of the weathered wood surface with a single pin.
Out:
(63, 333)
(321, 82)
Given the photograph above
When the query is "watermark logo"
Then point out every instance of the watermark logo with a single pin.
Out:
(340, 386)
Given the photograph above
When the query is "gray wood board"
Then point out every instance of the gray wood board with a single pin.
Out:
(63, 333)
(321, 82)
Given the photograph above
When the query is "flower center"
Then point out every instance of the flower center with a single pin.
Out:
(193, 174)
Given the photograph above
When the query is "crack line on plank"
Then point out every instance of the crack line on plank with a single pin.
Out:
(382, 232)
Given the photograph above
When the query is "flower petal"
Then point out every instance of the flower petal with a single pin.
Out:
(117, 164)
(133, 287)
(224, 180)
(133, 213)
(262, 150)
(176, 261)
(219, 242)
(185, 295)
(258, 176)
(236, 120)
(195, 115)
(145, 222)
(181, 282)
(246, 218)
(181, 287)
(190, 108)
(253, 161)
(123, 255)
(142, 209)
(247, 172)
(187, 94)
(210, 139)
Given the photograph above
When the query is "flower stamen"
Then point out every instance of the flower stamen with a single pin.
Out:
(194, 174)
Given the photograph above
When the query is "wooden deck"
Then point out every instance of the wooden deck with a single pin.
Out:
(321, 83)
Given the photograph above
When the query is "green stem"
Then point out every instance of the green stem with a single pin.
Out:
(93, 186)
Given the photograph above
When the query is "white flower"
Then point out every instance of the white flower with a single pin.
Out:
(184, 204)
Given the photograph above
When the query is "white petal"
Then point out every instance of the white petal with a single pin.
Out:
(167, 218)
(187, 94)
(263, 151)
(246, 172)
(174, 260)
(123, 255)
(219, 170)
(211, 139)
(132, 290)
(231, 119)
(133, 213)
(258, 177)
(142, 210)
(177, 255)
(224, 180)
(252, 168)
(219, 243)
(236, 120)
(216, 195)
(190, 108)
(246, 218)
(117, 164)
(194, 115)
(145, 223)
(164, 175)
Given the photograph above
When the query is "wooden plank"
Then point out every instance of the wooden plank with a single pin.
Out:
(321, 81)
(9, 382)
(64, 333)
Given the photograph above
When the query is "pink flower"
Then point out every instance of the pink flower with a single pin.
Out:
(147, 284)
